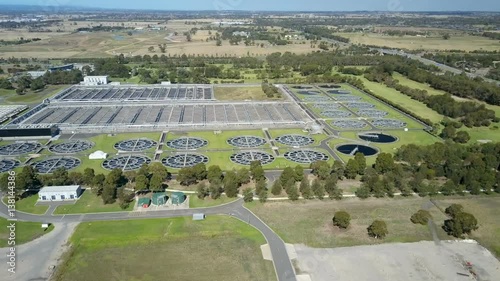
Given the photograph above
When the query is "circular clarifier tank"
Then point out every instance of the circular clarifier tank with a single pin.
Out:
(352, 149)
(377, 137)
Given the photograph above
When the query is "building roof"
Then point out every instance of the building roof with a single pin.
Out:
(157, 196)
(143, 201)
(66, 188)
(178, 197)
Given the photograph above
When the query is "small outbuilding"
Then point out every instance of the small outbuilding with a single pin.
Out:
(178, 198)
(144, 202)
(198, 217)
(59, 193)
(159, 198)
(98, 155)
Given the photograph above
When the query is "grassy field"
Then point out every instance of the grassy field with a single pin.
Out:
(397, 97)
(90, 203)
(180, 249)
(25, 231)
(241, 93)
(195, 202)
(10, 96)
(27, 205)
(486, 211)
(410, 137)
(456, 42)
(310, 222)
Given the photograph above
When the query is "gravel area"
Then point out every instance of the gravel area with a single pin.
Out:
(395, 262)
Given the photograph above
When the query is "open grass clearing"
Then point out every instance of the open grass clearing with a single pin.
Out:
(90, 203)
(485, 209)
(27, 205)
(25, 231)
(11, 97)
(310, 222)
(218, 248)
(253, 93)
(456, 42)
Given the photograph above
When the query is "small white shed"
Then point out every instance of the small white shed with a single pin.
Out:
(98, 155)
(198, 217)
(59, 193)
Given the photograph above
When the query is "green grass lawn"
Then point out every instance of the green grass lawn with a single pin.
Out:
(195, 202)
(218, 248)
(27, 205)
(25, 231)
(106, 143)
(11, 97)
(418, 137)
(218, 141)
(90, 203)
(397, 97)
(310, 222)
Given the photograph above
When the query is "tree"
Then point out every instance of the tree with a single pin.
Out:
(263, 196)
(88, 176)
(287, 174)
(321, 169)
(141, 183)
(291, 190)
(351, 169)
(151, 49)
(460, 225)
(299, 173)
(108, 193)
(248, 194)
(202, 190)
(143, 170)
(421, 217)
(453, 210)
(384, 163)
(130, 176)
(243, 176)
(200, 171)
(75, 178)
(115, 178)
(214, 173)
(260, 185)
(342, 219)
(186, 176)
(338, 169)
(318, 189)
(27, 179)
(156, 183)
(462, 137)
(98, 183)
(305, 188)
(158, 169)
(378, 229)
(449, 132)
(361, 161)
(218, 42)
(256, 171)
(277, 188)
(215, 189)
(446, 36)
(331, 186)
(124, 198)
(60, 176)
(363, 192)
(231, 188)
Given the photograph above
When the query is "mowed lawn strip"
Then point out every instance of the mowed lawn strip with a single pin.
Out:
(485, 210)
(27, 205)
(24, 231)
(90, 203)
(218, 248)
(310, 222)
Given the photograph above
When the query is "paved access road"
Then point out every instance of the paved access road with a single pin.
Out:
(281, 260)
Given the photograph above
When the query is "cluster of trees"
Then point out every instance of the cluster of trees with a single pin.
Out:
(470, 113)
(270, 90)
(148, 178)
(492, 35)
(317, 33)
(378, 228)
(114, 67)
(18, 42)
(460, 223)
(49, 78)
(455, 60)
(100, 28)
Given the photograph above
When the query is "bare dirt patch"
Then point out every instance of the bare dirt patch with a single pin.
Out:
(396, 262)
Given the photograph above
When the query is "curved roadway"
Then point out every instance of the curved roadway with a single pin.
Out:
(281, 260)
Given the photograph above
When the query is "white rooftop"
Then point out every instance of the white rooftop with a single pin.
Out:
(66, 188)
(6, 111)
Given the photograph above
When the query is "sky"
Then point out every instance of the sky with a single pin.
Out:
(278, 5)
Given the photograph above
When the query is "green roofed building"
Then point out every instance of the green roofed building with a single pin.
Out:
(178, 198)
(159, 198)
(144, 202)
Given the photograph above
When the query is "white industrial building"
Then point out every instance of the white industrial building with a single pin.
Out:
(98, 155)
(59, 193)
(95, 80)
